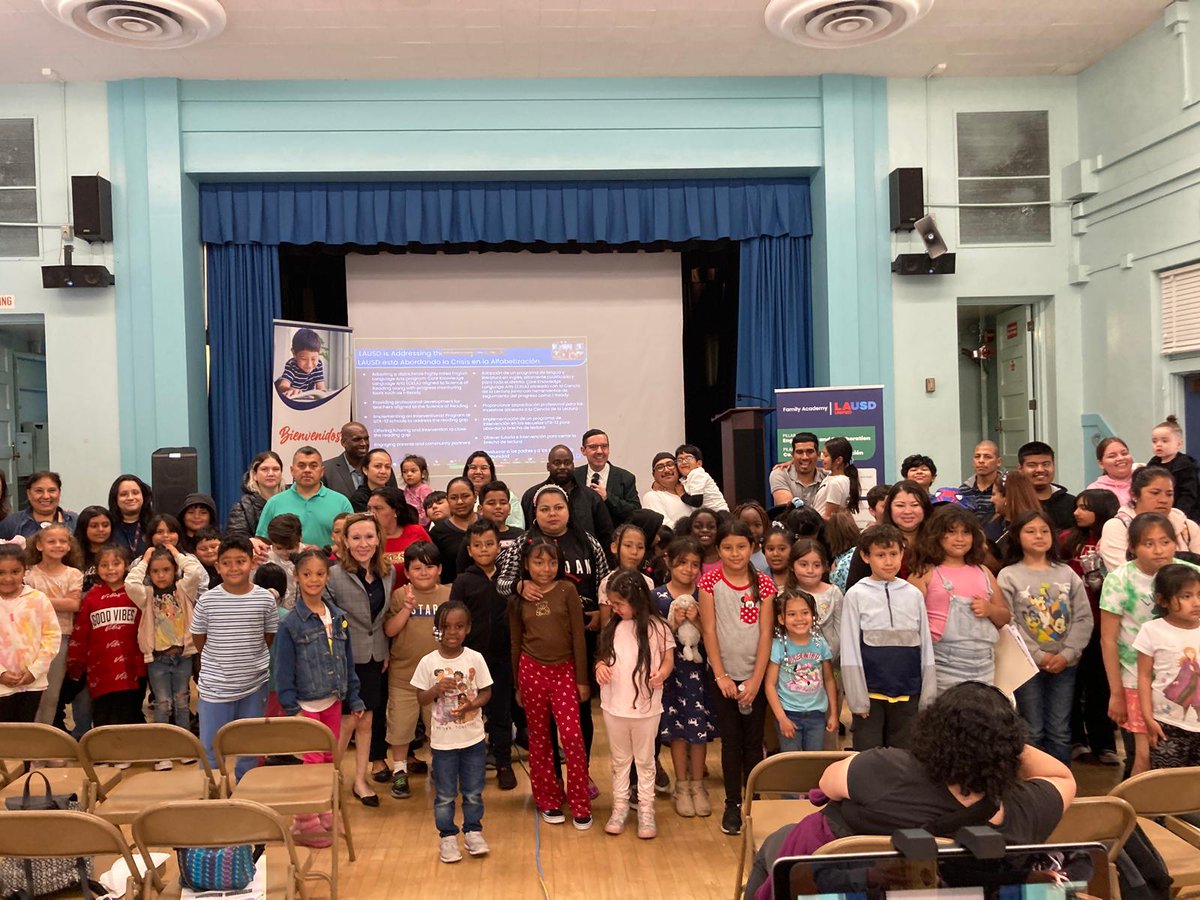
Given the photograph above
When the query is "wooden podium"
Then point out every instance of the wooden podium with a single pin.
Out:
(743, 453)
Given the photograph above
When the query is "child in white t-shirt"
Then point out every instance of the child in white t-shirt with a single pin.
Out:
(696, 482)
(456, 680)
(1169, 669)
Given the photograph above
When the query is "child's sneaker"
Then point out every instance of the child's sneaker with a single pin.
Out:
(616, 822)
(646, 825)
(400, 788)
(476, 845)
(553, 816)
(163, 765)
(448, 851)
(582, 823)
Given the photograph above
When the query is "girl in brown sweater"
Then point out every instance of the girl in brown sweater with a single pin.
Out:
(550, 660)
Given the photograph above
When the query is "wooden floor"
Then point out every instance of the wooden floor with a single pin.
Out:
(397, 846)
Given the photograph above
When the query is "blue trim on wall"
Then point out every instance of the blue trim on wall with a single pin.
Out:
(162, 379)
(852, 286)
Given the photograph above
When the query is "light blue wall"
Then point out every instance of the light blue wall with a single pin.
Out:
(162, 380)
(167, 136)
(1136, 121)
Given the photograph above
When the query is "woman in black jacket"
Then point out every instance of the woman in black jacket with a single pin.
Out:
(263, 481)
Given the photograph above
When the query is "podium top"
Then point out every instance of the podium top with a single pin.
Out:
(758, 411)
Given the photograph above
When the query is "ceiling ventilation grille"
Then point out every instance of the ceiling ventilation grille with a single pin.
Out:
(830, 24)
(160, 25)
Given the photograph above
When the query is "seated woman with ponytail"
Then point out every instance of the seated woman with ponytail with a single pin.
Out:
(968, 765)
(840, 489)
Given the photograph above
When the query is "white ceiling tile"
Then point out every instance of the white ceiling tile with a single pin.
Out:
(585, 38)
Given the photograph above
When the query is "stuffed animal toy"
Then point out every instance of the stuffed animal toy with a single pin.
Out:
(687, 632)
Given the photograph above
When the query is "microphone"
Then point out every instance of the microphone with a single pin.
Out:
(755, 397)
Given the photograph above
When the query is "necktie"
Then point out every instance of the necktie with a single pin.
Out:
(595, 478)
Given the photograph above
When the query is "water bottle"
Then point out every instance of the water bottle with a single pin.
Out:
(744, 708)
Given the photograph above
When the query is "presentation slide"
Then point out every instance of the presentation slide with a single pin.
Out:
(451, 396)
(513, 353)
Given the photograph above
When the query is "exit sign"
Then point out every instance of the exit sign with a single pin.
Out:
(8, 301)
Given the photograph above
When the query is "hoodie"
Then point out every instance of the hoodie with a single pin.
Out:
(1121, 489)
(1060, 507)
(200, 500)
(887, 650)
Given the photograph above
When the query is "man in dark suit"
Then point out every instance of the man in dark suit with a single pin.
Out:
(615, 486)
(343, 473)
(588, 511)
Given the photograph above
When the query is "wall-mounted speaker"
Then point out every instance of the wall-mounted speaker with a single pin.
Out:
(935, 246)
(923, 264)
(91, 201)
(906, 192)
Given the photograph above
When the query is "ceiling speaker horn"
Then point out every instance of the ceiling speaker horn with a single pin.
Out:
(935, 246)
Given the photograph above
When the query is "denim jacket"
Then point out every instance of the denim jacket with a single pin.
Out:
(307, 667)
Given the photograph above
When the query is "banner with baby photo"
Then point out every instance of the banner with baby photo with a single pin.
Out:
(310, 392)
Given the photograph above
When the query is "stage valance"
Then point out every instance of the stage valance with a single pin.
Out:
(616, 212)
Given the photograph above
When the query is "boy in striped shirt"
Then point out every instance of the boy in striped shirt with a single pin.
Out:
(233, 626)
(304, 371)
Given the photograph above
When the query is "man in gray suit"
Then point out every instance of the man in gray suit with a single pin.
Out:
(343, 473)
(615, 486)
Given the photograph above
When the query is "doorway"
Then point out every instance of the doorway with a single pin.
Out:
(997, 379)
(24, 435)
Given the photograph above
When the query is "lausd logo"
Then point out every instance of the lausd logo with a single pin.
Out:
(852, 406)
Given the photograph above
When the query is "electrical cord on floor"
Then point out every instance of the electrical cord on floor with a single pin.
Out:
(537, 833)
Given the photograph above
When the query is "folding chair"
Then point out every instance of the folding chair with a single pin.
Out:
(216, 823)
(34, 741)
(782, 775)
(139, 788)
(47, 834)
(11, 769)
(859, 843)
(1109, 820)
(1168, 794)
(288, 790)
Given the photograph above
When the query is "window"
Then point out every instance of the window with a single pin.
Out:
(1180, 290)
(18, 189)
(1004, 159)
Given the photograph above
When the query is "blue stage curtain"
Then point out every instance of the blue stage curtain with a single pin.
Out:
(774, 347)
(617, 212)
(243, 298)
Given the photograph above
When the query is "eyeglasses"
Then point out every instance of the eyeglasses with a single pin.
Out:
(479, 468)
(664, 467)
(596, 447)
(685, 457)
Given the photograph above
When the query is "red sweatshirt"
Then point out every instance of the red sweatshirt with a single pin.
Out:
(105, 642)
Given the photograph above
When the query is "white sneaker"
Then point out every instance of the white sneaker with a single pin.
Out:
(476, 845)
(122, 765)
(448, 851)
(163, 765)
(190, 761)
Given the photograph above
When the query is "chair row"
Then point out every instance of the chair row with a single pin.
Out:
(776, 795)
(110, 770)
(48, 834)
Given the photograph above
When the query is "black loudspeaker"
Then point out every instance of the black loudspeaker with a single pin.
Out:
(91, 200)
(906, 190)
(935, 245)
(172, 477)
(923, 264)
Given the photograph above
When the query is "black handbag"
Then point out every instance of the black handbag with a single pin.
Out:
(22, 878)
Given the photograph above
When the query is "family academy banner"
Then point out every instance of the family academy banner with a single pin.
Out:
(310, 387)
(855, 413)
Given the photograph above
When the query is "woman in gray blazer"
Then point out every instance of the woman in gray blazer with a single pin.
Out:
(361, 586)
